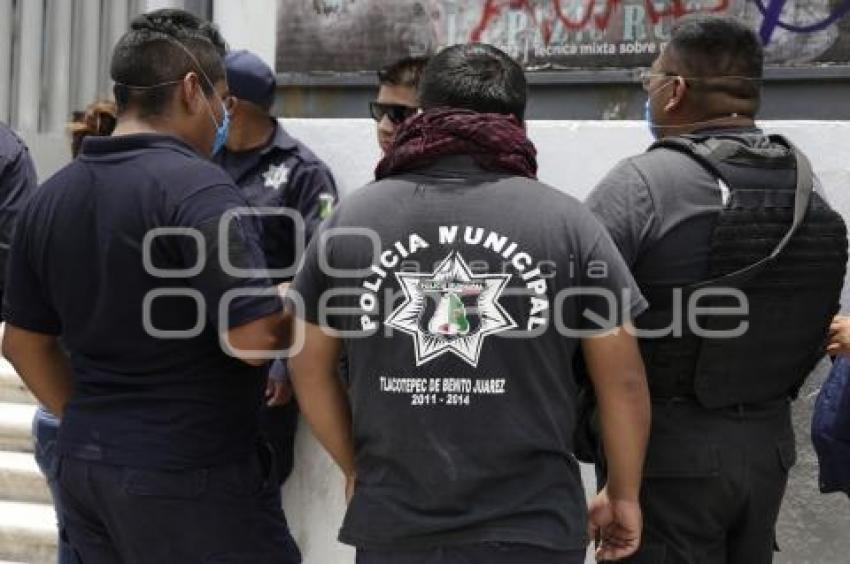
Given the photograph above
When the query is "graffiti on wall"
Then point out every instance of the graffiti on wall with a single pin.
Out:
(353, 35)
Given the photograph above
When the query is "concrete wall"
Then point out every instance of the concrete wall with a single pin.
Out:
(573, 156)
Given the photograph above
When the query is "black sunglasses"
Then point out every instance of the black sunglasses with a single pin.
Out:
(396, 112)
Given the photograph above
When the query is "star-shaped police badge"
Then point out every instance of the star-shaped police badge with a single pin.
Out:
(276, 175)
(451, 310)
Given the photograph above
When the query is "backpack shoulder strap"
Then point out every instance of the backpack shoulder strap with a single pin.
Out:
(707, 151)
(710, 153)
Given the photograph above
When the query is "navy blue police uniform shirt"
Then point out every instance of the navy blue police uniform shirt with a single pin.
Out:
(17, 182)
(283, 173)
(77, 270)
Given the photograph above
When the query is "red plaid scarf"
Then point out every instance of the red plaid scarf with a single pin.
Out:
(497, 142)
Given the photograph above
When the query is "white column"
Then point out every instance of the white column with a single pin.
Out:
(87, 56)
(119, 21)
(59, 62)
(249, 24)
(29, 65)
(7, 14)
(115, 20)
(151, 5)
(120, 12)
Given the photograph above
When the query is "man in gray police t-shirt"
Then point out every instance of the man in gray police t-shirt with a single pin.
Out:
(461, 313)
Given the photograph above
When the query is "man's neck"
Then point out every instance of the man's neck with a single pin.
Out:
(255, 134)
(731, 121)
(132, 125)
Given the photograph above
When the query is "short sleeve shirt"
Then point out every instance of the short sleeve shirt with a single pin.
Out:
(663, 226)
(17, 183)
(462, 296)
(123, 254)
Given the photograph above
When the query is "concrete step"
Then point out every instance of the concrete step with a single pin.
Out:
(27, 532)
(21, 479)
(16, 427)
(12, 389)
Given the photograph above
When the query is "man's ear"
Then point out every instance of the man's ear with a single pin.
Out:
(234, 107)
(680, 89)
(191, 94)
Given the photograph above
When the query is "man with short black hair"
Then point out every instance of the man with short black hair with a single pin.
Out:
(397, 97)
(459, 85)
(719, 209)
(274, 170)
(454, 426)
(719, 65)
(131, 255)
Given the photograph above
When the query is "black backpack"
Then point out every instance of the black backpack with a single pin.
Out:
(787, 252)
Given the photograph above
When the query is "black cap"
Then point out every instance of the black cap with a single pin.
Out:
(249, 78)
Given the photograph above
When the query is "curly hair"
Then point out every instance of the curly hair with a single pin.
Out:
(98, 119)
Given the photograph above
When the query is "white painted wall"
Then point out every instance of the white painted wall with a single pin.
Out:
(249, 24)
(573, 155)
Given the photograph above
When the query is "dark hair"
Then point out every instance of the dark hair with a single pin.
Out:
(404, 72)
(156, 51)
(98, 119)
(475, 77)
(722, 53)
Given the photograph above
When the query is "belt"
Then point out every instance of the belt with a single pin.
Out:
(734, 409)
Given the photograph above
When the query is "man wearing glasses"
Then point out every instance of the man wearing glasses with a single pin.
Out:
(397, 97)
(701, 210)
(456, 443)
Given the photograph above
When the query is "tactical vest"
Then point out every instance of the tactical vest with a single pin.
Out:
(782, 248)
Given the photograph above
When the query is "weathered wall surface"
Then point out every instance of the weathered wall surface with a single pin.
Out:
(540, 34)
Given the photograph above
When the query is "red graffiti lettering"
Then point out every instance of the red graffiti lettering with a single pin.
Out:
(493, 9)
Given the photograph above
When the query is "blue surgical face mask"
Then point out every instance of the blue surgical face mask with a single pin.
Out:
(221, 130)
(647, 117)
(654, 128)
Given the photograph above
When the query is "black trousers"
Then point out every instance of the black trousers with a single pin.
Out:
(714, 482)
(278, 425)
(485, 553)
(221, 515)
